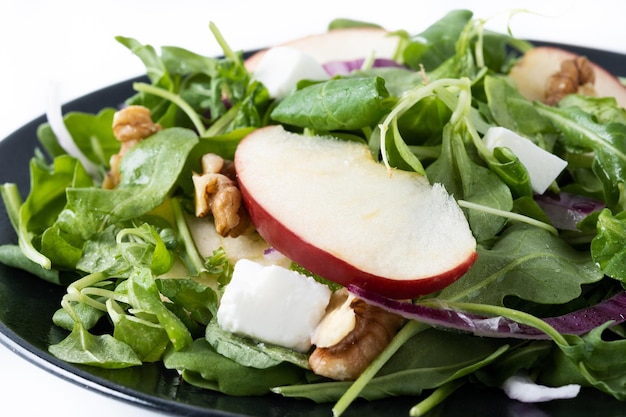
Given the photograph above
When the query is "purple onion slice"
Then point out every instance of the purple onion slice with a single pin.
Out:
(577, 323)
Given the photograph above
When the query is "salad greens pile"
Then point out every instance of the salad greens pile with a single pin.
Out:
(130, 263)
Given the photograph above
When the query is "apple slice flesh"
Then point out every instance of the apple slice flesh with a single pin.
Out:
(329, 206)
(532, 72)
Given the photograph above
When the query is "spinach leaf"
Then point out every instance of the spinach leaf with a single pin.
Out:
(436, 44)
(149, 172)
(199, 301)
(86, 314)
(202, 366)
(147, 339)
(336, 104)
(13, 256)
(144, 297)
(427, 360)
(248, 352)
(103, 351)
(44, 202)
(512, 110)
(529, 263)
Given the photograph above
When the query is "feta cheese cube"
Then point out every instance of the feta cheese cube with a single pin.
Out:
(272, 304)
(543, 167)
(282, 67)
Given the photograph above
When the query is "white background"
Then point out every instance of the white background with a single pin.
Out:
(70, 45)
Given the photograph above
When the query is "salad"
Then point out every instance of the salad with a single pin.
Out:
(140, 213)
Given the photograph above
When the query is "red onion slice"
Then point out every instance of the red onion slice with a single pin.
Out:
(577, 323)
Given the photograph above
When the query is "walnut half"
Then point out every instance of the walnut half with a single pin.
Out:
(350, 336)
(216, 193)
(575, 76)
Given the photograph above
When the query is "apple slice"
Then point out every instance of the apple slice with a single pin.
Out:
(329, 206)
(340, 44)
(532, 72)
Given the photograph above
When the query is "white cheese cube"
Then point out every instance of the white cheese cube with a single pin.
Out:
(543, 167)
(272, 304)
(282, 67)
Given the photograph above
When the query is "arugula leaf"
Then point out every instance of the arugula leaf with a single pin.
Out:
(469, 181)
(608, 142)
(608, 247)
(529, 263)
(596, 362)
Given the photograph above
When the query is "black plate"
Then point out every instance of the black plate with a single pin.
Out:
(27, 305)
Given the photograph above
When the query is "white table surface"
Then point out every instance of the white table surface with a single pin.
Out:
(70, 45)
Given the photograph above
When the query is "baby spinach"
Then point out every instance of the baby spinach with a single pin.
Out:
(149, 172)
(336, 104)
(202, 366)
(248, 352)
(433, 46)
(427, 360)
(96, 350)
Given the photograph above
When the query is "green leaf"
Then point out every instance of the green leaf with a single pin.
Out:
(204, 367)
(466, 180)
(608, 247)
(103, 351)
(512, 110)
(248, 352)
(529, 263)
(200, 301)
(148, 340)
(436, 44)
(144, 296)
(12, 255)
(149, 172)
(336, 104)
(87, 315)
(93, 134)
(600, 363)
(608, 142)
(426, 361)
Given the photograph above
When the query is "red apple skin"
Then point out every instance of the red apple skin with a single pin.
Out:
(332, 268)
(336, 270)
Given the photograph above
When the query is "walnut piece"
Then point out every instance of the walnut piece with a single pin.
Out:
(371, 331)
(216, 193)
(575, 76)
(131, 125)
